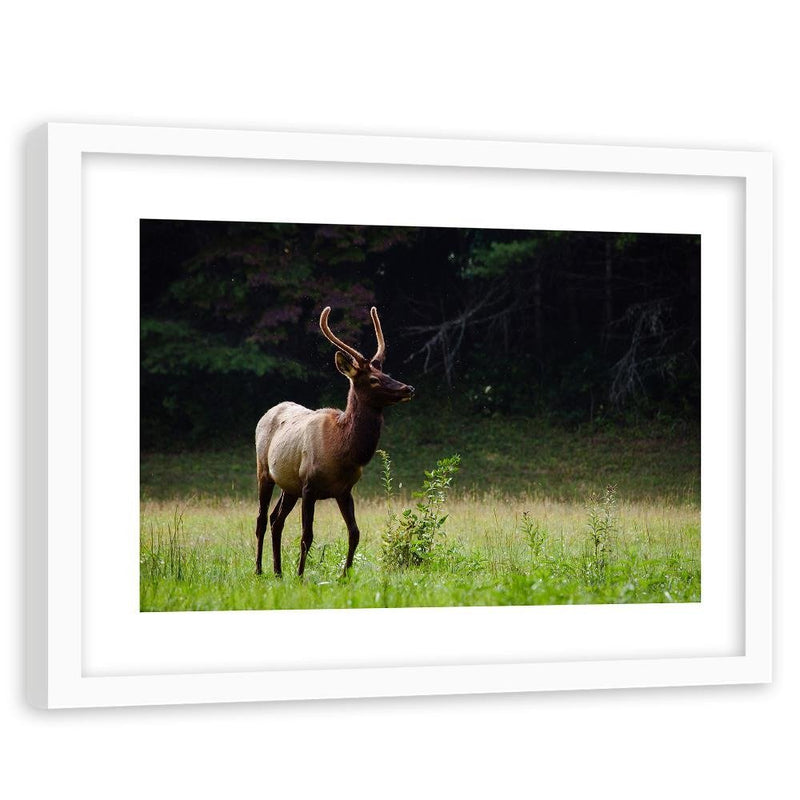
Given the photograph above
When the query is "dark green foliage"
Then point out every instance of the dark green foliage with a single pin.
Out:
(579, 326)
(175, 348)
(229, 319)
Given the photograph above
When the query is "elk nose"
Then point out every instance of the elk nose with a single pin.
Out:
(411, 390)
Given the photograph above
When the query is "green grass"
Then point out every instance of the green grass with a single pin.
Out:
(499, 455)
(520, 528)
(201, 557)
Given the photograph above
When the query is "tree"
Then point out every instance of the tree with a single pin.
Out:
(560, 321)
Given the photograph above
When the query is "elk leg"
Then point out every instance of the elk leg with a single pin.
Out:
(286, 502)
(308, 529)
(264, 496)
(347, 507)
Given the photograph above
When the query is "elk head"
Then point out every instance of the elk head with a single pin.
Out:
(372, 385)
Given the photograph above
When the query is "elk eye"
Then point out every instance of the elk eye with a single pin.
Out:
(374, 381)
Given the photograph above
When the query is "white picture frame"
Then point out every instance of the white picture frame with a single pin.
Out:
(87, 644)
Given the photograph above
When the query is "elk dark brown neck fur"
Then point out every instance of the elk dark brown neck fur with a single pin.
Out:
(361, 425)
(313, 455)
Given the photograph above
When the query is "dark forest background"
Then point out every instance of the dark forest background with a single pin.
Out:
(578, 327)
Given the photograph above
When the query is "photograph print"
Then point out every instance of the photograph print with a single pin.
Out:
(351, 416)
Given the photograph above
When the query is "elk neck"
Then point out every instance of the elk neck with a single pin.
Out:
(361, 425)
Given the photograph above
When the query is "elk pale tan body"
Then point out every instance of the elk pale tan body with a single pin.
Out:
(315, 455)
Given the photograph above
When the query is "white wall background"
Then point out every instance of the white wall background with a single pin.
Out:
(685, 73)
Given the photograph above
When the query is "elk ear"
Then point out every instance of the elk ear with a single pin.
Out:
(345, 364)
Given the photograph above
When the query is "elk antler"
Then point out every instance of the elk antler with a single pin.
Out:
(323, 324)
(380, 354)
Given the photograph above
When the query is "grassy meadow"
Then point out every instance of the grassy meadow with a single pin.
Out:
(527, 519)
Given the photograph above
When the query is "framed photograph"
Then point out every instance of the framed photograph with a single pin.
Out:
(321, 416)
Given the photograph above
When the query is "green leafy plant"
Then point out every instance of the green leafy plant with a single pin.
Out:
(602, 510)
(386, 474)
(535, 535)
(411, 536)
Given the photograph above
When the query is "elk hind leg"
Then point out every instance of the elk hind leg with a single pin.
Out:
(308, 530)
(265, 488)
(286, 502)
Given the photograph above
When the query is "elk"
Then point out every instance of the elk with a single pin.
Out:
(315, 455)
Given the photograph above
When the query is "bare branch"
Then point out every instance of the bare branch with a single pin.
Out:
(444, 339)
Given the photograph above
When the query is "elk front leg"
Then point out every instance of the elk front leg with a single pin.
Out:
(286, 502)
(347, 507)
(265, 488)
(308, 529)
